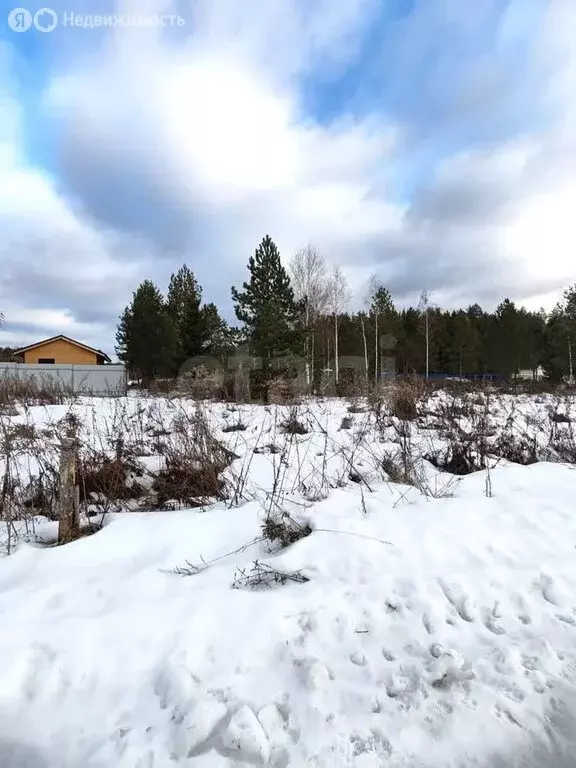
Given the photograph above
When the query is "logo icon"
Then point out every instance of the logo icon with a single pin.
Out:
(45, 20)
(19, 20)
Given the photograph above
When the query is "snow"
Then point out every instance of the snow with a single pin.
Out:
(433, 631)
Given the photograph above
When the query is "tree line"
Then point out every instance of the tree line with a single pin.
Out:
(303, 310)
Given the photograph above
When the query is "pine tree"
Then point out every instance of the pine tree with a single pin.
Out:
(183, 305)
(560, 338)
(219, 340)
(145, 335)
(266, 305)
(383, 315)
(507, 337)
(570, 321)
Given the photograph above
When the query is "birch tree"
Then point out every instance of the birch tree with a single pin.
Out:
(339, 298)
(363, 326)
(310, 282)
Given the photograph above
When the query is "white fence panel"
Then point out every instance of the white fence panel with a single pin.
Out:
(108, 380)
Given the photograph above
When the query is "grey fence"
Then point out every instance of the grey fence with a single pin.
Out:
(79, 379)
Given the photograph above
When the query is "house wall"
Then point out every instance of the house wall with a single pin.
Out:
(63, 352)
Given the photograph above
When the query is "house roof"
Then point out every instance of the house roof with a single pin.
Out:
(61, 337)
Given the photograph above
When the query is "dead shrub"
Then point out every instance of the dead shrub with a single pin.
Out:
(40, 495)
(30, 391)
(262, 576)
(398, 469)
(186, 482)
(281, 389)
(403, 397)
(347, 422)
(458, 459)
(21, 436)
(237, 427)
(519, 449)
(162, 386)
(202, 383)
(292, 424)
(281, 530)
(269, 448)
(238, 385)
(351, 383)
(559, 418)
(112, 479)
(194, 463)
(562, 445)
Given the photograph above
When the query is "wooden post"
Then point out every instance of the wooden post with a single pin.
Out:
(68, 508)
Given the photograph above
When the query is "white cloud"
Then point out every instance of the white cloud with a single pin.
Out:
(56, 262)
(220, 133)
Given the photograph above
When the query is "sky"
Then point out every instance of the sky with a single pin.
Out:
(429, 142)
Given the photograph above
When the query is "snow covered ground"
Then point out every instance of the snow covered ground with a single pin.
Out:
(437, 627)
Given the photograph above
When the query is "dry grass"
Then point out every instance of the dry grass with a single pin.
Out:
(202, 383)
(458, 433)
(194, 462)
(262, 576)
(16, 392)
(293, 425)
(402, 398)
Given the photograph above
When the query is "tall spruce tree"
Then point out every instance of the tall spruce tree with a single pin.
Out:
(183, 306)
(145, 336)
(383, 315)
(266, 305)
(507, 335)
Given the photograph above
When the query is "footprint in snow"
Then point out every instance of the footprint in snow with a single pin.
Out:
(280, 731)
(457, 599)
(551, 592)
(523, 614)
(197, 727)
(245, 738)
(566, 618)
(489, 619)
(429, 622)
(448, 668)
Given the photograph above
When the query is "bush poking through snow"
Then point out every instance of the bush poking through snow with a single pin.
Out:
(237, 427)
(403, 397)
(266, 449)
(100, 476)
(194, 460)
(458, 459)
(292, 424)
(189, 482)
(519, 449)
(280, 529)
(201, 383)
(347, 422)
(396, 469)
(262, 576)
